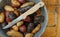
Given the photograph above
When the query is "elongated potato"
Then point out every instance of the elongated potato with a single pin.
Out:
(29, 35)
(15, 3)
(36, 29)
(22, 10)
(13, 33)
(27, 4)
(20, 23)
(38, 13)
(2, 17)
(16, 12)
(8, 8)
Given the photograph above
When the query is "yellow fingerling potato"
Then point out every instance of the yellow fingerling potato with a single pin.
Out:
(29, 35)
(27, 4)
(36, 29)
(15, 3)
(15, 28)
(13, 33)
(2, 17)
(20, 23)
(8, 8)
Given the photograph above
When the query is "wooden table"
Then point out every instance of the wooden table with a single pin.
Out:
(53, 27)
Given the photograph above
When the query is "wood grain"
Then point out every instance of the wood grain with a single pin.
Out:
(50, 8)
(58, 23)
(59, 2)
(51, 31)
(51, 18)
(50, 2)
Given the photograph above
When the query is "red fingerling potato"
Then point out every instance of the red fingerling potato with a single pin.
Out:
(28, 19)
(6, 13)
(7, 18)
(22, 1)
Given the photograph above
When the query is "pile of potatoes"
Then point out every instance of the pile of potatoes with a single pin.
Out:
(26, 27)
(21, 32)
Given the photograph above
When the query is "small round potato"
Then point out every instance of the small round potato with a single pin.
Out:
(8, 8)
(22, 28)
(36, 29)
(2, 17)
(27, 19)
(29, 35)
(20, 23)
(15, 28)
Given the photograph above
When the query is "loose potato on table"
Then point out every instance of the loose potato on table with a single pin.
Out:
(2, 17)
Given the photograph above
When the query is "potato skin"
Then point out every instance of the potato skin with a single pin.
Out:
(30, 27)
(7, 18)
(22, 1)
(15, 3)
(29, 35)
(12, 16)
(2, 17)
(16, 12)
(27, 4)
(20, 23)
(13, 33)
(22, 10)
(15, 28)
(8, 8)
(22, 28)
(36, 29)
(27, 19)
